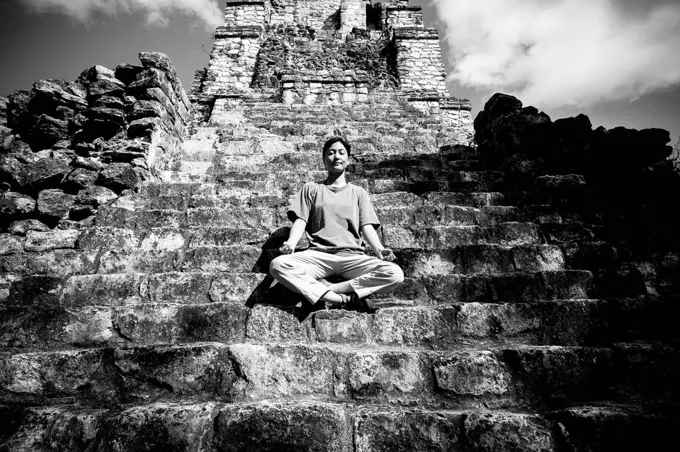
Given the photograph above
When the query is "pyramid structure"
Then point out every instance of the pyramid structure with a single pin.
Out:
(152, 325)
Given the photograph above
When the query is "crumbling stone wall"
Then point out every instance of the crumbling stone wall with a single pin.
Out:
(404, 17)
(232, 61)
(245, 13)
(69, 147)
(419, 61)
(294, 50)
(615, 186)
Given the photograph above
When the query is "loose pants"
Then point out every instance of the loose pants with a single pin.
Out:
(300, 272)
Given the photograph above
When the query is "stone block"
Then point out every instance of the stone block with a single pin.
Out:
(342, 327)
(276, 372)
(137, 261)
(471, 374)
(45, 241)
(309, 426)
(274, 325)
(21, 227)
(16, 204)
(175, 371)
(104, 290)
(407, 430)
(54, 204)
(160, 426)
(52, 375)
(162, 323)
(506, 432)
(10, 244)
(61, 428)
(392, 375)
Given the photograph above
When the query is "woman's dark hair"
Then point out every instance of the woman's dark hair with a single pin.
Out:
(334, 140)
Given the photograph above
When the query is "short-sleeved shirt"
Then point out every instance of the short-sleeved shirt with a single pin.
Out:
(334, 216)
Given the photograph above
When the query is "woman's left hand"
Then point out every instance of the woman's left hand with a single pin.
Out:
(387, 255)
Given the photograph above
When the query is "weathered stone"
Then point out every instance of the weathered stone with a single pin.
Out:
(40, 376)
(158, 61)
(274, 325)
(22, 226)
(55, 204)
(101, 81)
(104, 290)
(160, 426)
(59, 428)
(176, 371)
(95, 196)
(47, 131)
(507, 432)
(158, 323)
(10, 245)
(45, 241)
(18, 116)
(472, 373)
(341, 327)
(275, 372)
(16, 204)
(309, 426)
(407, 430)
(127, 72)
(119, 177)
(36, 171)
(386, 374)
(143, 127)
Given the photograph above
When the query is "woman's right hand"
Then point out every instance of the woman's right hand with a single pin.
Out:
(286, 248)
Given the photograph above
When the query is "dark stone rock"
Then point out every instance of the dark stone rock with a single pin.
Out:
(54, 204)
(109, 102)
(101, 81)
(273, 427)
(31, 172)
(3, 110)
(79, 179)
(119, 177)
(143, 127)
(147, 108)
(103, 123)
(16, 204)
(406, 431)
(18, 117)
(127, 72)
(158, 61)
(95, 196)
(47, 131)
(41, 291)
(49, 95)
(159, 427)
(491, 432)
(21, 227)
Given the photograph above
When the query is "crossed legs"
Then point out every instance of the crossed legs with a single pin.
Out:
(301, 272)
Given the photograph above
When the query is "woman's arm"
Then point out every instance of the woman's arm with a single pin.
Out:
(294, 236)
(374, 242)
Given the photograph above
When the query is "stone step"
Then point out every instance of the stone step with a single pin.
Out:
(514, 377)
(233, 284)
(558, 322)
(325, 426)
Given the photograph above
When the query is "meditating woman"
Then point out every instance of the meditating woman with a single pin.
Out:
(335, 215)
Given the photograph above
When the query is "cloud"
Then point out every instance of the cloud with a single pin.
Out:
(156, 12)
(563, 52)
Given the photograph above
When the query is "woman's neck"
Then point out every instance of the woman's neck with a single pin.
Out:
(336, 179)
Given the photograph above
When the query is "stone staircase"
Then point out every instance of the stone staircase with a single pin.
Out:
(158, 329)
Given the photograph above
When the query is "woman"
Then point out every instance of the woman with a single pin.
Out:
(335, 214)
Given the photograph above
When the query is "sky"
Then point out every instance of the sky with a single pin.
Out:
(617, 61)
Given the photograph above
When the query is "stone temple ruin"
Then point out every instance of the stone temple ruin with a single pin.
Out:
(137, 223)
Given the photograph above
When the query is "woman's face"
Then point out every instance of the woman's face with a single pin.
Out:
(336, 158)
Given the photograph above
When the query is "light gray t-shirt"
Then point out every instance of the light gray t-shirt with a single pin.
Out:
(334, 216)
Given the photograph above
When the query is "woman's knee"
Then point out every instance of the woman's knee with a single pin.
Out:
(277, 266)
(395, 273)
